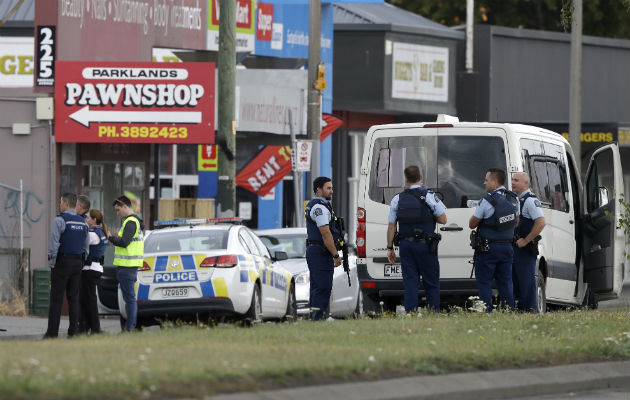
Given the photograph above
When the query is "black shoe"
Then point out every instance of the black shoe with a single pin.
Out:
(47, 336)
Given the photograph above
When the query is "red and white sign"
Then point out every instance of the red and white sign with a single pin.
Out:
(243, 13)
(134, 102)
(264, 21)
(265, 170)
(303, 155)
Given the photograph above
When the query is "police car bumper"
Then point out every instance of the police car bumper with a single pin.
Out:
(451, 287)
(211, 305)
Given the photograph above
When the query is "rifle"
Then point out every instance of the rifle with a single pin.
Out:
(343, 246)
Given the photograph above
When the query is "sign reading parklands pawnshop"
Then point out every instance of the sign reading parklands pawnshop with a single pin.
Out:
(114, 102)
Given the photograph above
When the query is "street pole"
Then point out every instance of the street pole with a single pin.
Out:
(226, 189)
(575, 84)
(313, 120)
(297, 193)
(470, 18)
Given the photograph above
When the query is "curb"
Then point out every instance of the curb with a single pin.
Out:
(499, 384)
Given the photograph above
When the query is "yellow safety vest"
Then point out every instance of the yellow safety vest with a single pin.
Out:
(132, 255)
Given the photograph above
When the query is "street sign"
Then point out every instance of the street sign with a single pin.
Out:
(131, 102)
(207, 160)
(303, 155)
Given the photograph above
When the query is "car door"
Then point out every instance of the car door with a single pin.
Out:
(269, 306)
(603, 241)
(279, 282)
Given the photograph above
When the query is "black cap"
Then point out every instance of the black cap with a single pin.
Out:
(122, 200)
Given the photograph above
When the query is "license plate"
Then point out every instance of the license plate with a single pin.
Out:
(392, 270)
(175, 292)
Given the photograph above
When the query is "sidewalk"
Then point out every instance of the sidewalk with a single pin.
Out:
(499, 384)
(33, 328)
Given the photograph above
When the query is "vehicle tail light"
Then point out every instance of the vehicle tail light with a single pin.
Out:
(360, 232)
(369, 285)
(208, 262)
(227, 261)
(438, 126)
(145, 267)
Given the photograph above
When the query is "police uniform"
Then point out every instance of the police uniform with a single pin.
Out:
(92, 271)
(415, 255)
(69, 243)
(128, 256)
(320, 262)
(497, 211)
(524, 266)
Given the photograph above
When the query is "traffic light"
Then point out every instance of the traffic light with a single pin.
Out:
(320, 83)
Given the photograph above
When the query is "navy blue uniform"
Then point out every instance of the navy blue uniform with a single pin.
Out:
(524, 266)
(320, 262)
(416, 258)
(68, 245)
(497, 210)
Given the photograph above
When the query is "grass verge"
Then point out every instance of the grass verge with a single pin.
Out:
(193, 361)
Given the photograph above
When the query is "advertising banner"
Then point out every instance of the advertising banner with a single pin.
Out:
(265, 170)
(420, 72)
(245, 14)
(16, 61)
(114, 102)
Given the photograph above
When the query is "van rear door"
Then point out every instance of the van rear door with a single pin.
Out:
(603, 241)
(464, 156)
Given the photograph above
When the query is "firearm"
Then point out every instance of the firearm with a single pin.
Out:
(343, 246)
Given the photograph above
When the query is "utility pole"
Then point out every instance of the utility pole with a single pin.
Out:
(226, 140)
(313, 119)
(575, 84)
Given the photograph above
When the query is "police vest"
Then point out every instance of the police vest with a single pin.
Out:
(414, 212)
(525, 224)
(312, 231)
(73, 237)
(97, 251)
(500, 225)
(132, 255)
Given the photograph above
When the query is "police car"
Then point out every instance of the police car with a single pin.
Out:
(216, 270)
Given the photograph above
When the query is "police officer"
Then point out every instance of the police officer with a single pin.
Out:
(530, 225)
(128, 256)
(416, 210)
(496, 216)
(69, 245)
(83, 205)
(321, 251)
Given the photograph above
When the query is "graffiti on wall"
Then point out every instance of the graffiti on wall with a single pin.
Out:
(10, 215)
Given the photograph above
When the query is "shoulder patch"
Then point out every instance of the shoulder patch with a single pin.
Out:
(537, 203)
(318, 211)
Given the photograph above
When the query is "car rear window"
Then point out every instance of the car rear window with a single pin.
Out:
(453, 166)
(193, 240)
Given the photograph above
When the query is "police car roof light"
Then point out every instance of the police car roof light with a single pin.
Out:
(196, 221)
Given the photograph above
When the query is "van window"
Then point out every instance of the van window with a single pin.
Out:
(539, 180)
(600, 177)
(558, 186)
(453, 166)
(391, 156)
(462, 165)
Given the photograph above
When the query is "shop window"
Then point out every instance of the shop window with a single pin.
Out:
(187, 159)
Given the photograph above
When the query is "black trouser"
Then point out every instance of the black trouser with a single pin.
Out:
(65, 277)
(88, 320)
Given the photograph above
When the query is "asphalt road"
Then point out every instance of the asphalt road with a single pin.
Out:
(622, 301)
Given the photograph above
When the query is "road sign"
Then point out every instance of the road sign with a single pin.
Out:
(207, 159)
(134, 102)
(303, 155)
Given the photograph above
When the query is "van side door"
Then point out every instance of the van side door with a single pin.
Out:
(603, 241)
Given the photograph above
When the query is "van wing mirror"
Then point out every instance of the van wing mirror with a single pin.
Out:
(603, 197)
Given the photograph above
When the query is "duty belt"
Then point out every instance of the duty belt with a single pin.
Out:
(314, 243)
(500, 240)
(413, 238)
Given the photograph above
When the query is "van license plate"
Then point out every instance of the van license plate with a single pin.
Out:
(175, 292)
(393, 270)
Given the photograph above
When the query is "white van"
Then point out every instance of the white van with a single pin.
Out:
(581, 252)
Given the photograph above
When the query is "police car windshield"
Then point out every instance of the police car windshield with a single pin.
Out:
(294, 245)
(191, 240)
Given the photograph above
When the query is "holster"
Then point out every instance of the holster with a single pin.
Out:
(434, 240)
(532, 247)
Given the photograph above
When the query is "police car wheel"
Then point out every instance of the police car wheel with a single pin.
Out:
(291, 314)
(253, 315)
(541, 298)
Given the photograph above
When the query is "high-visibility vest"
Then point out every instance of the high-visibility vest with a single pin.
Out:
(132, 255)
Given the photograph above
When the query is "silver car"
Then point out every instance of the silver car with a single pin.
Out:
(345, 301)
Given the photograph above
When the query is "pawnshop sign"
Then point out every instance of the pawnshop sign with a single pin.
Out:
(134, 102)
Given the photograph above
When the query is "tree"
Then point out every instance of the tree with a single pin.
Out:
(607, 18)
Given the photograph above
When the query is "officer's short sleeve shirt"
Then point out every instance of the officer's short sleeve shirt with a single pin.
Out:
(320, 215)
(532, 208)
(437, 207)
(486, 210)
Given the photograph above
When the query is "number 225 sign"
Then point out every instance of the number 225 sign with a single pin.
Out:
(45, 73)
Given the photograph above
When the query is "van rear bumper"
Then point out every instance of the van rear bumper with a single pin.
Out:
(450, 287)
